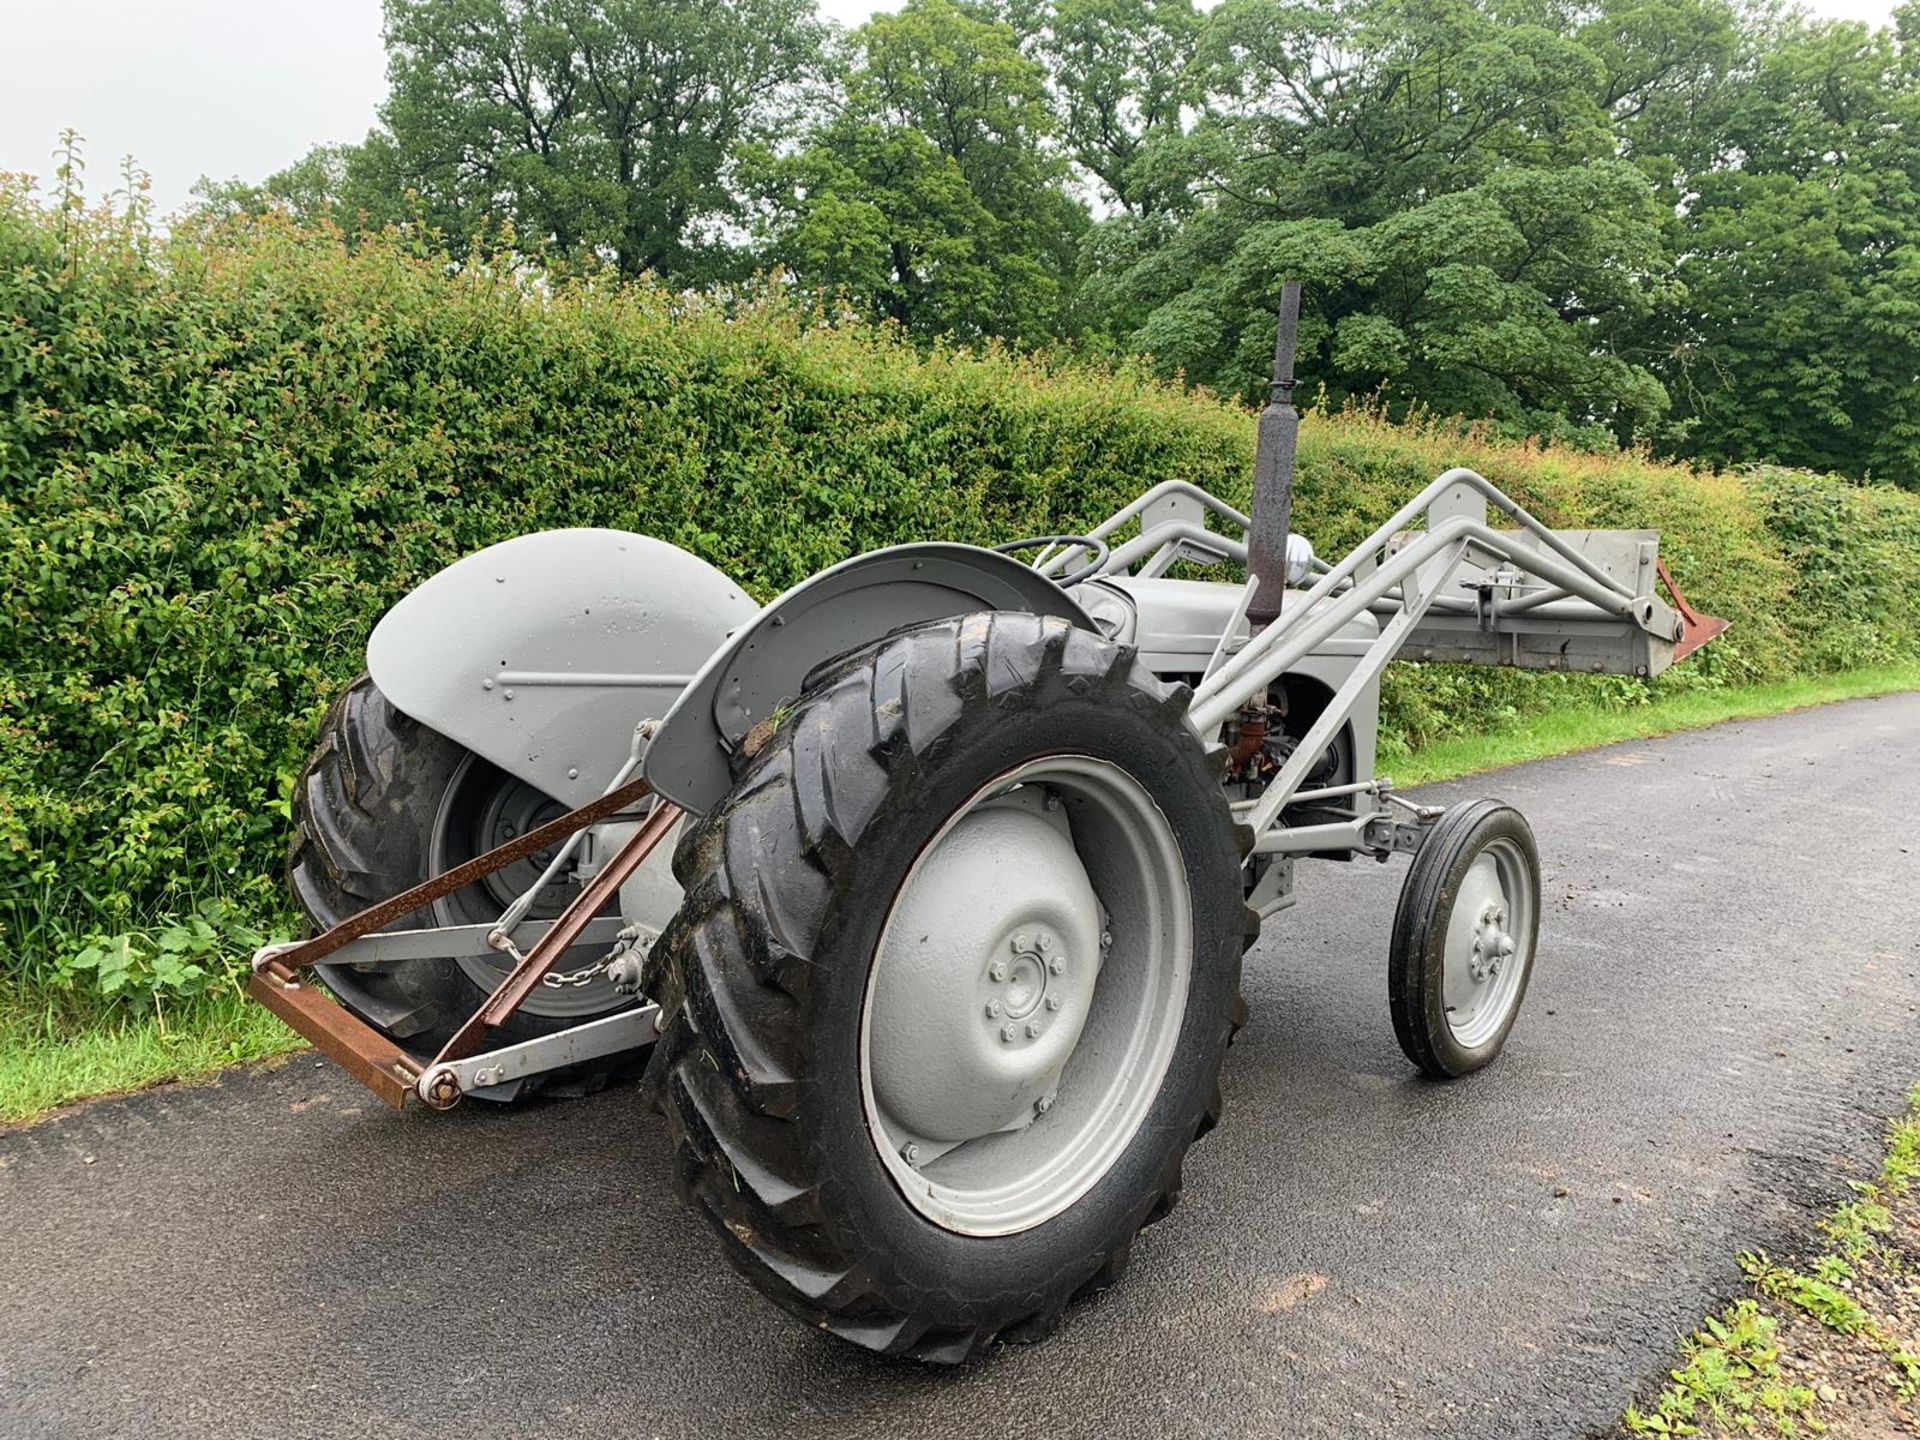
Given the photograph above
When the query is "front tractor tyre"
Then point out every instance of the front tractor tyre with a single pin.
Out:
(948, 996)
(1463, 938)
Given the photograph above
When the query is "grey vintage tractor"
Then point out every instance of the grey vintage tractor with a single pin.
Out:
(935, 991)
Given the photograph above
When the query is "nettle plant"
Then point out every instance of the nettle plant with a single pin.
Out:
(178, 961)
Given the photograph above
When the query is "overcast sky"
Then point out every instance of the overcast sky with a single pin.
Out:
(232, 87)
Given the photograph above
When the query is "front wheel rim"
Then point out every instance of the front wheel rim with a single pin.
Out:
(1023, 948)
(1488, 945)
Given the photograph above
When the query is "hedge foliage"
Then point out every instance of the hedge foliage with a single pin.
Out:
(224, 454)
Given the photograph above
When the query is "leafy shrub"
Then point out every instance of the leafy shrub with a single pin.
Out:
(224, 454)
(186, 958)
(1853, 555)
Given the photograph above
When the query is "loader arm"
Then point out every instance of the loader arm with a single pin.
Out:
(1533, 597)
(1455, 590)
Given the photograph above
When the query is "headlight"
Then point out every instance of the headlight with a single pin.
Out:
(1299, 560)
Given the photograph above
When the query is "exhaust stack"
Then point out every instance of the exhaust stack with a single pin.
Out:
(1273, 472)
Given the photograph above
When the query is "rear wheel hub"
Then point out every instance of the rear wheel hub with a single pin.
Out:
(1026, 996)
(979, 999)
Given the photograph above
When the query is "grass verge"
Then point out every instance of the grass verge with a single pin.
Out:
(1828, 1346)
(48, 1059)
(1573, 728)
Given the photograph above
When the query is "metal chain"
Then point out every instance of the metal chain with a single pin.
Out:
(576, 978)
(630, 937)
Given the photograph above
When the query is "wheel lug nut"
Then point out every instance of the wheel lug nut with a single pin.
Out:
(911, 1154)
(1046, 942)
(1043, 1104)
(1057, 964)
(1007, 1033)
(993, 1009)
(1033, 1029)
(1019, 943)
(997, 970)
(1053, 1002)
(1106, 939)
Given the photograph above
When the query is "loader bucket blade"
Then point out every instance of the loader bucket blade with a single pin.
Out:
(1699, 628)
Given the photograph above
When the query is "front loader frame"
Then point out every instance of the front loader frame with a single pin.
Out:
(1534, 597)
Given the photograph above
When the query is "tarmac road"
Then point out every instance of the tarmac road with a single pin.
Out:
(1725, 1008)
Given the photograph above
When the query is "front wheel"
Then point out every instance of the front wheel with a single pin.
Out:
(947, 1001)
(1463, 938)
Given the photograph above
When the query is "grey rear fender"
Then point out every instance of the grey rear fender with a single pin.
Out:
(543, 652)
(764, 665)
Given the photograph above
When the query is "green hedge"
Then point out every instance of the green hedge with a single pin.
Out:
(223, 455)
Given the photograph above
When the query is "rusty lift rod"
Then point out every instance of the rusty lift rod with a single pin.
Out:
(532, 968)
(374, 1058)
(378, 917)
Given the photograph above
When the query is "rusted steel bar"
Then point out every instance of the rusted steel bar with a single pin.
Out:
(378, 917)
(526, 976)
(363, 1052)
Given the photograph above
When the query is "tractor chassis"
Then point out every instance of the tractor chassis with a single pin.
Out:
(1456, 591)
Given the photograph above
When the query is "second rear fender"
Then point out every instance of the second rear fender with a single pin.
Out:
(543, 652)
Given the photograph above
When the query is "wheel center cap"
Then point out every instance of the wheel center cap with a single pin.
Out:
(1491, 944)
(985, 978)
(1026, 984)
(1022, 991)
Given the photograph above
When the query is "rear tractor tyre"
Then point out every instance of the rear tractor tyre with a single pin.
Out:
(1463, 938)
(948, 996)
(386, 803)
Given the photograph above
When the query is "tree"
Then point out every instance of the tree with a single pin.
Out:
(1501, 300)
(1361, 109)
(1123, 80)
(1798, 256)
(929, 196)
(1442, 178)
(1660, 61)
(1690, 223)
(356, 185)
(598, 127)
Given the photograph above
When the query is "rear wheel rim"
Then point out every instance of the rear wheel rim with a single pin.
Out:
(1027, 949)
(485, 807)
(1488, 944)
